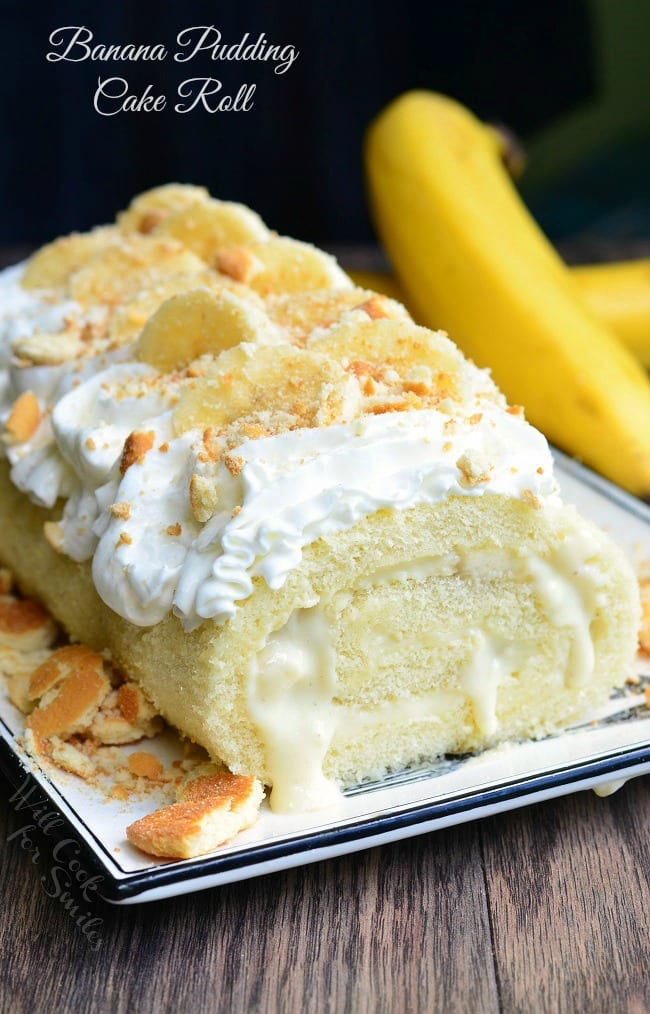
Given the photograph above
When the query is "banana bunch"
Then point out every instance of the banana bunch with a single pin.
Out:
(472, 260)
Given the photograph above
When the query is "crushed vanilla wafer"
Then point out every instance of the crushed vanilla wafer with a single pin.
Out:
(212, 806)
(24, 418)
(125, 716)
(79, 715)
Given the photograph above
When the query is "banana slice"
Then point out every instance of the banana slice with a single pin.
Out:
(282, 265)
(300, 313)
(52, 265)
(399, 344)
(126, 267)
(422, 362)
(199, 322)
(292, 387)
(129, 319)
(207, 226)
(148, 210)
(51, 348)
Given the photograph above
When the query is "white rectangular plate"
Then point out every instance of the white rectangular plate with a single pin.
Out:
(614, 745)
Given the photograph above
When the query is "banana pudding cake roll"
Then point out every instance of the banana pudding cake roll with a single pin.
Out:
(313, 532)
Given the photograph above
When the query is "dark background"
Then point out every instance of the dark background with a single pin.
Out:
(296, 157)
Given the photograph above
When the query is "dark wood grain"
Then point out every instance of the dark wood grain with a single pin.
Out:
(400, 928)
(569, 897)
(544, 909)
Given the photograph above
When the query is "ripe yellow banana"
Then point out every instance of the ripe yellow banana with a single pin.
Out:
(472, 261)
(617, 293)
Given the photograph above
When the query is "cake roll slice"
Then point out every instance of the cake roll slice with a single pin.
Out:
(316, 535)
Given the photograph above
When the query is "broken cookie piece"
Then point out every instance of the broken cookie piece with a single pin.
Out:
(124, 717)
(68, 691)
(27, 633)
(17, 668)
(25, 625)
(69, 757)
(213, 806)
(69, 687)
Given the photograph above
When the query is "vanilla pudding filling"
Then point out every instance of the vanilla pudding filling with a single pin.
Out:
(291, 688)
(292, 685)
(151, 557)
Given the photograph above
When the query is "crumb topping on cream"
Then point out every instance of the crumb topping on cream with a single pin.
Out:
(201, 426)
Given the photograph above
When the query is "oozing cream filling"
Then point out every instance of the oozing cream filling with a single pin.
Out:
(492, 661)
(292, 681)
(291, 700)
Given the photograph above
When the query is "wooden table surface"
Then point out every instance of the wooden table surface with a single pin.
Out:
(543, 909)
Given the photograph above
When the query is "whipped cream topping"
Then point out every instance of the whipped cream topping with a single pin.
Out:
(150, 554)
(301, 485)
(23, 314)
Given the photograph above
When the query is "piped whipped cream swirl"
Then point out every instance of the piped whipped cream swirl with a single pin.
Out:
(150, 554)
